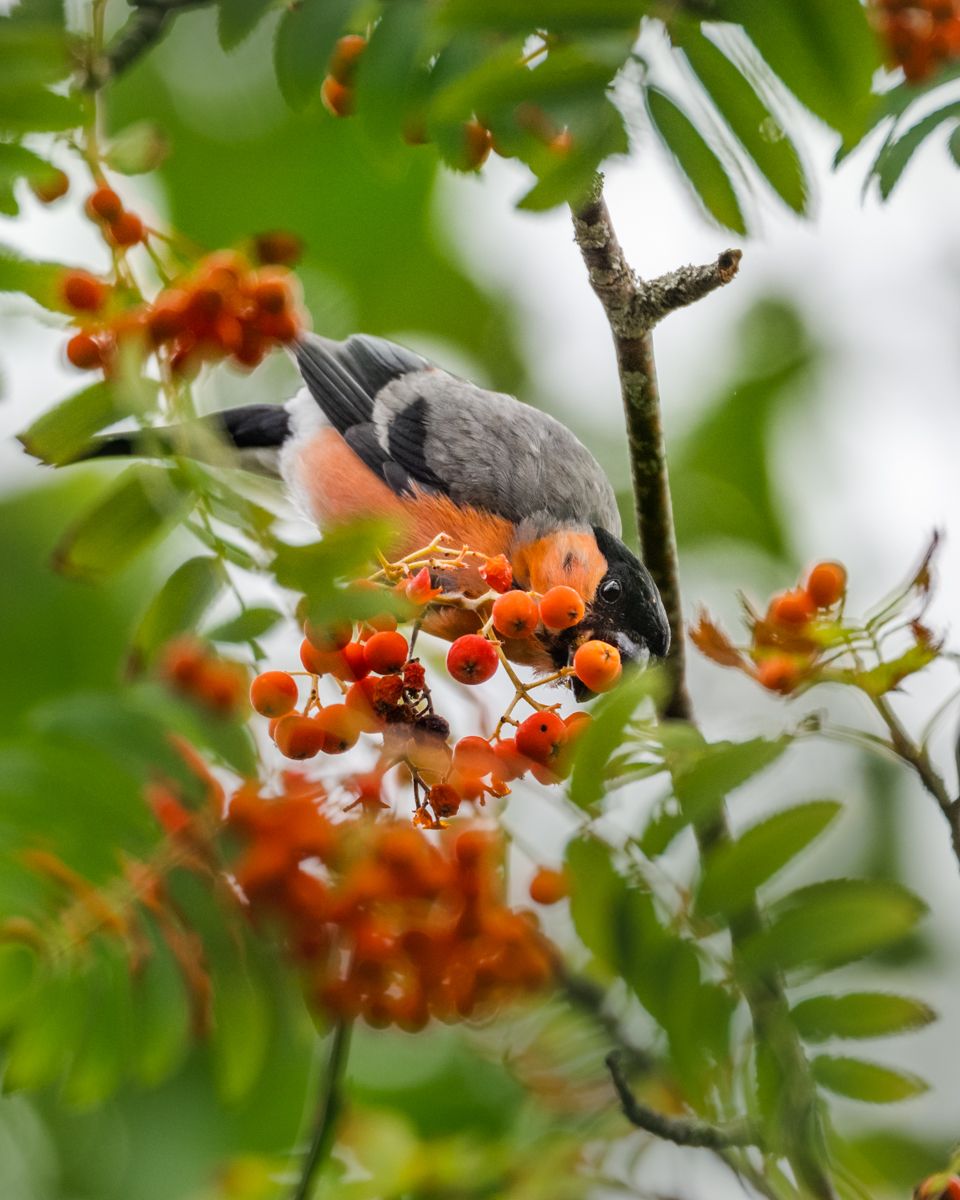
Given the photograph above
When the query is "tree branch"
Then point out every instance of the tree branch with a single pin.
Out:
(145, 26)
(682, 1131)
(329, 1111)
(632, 307)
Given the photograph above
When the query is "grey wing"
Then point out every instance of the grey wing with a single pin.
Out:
(418, 426)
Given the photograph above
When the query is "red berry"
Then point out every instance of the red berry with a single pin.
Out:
(126, 230)
(345, 57)
(274, 693)
(549, 887)
(278, 247)
(85, 352)
(474, 755)
(105, 205)
(791, 608)
(341, 726)
(83, 291)
(541, 737)
(299, 737)
(361, 700)
(515, 614)
(827, 583)
(561, 608)
(472, 659)
(444, 800)
(597, 665)
(497, 573)
(386, 652)
(511, 764)
(337, 99)
(331, 635)
(52, 187)
(778, 673)
(477, 143)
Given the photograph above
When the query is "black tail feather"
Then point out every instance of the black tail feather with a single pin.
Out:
(253, 427)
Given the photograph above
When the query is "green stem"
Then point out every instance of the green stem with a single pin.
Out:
(331, 1100)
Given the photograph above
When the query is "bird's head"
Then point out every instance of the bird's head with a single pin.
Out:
(623, 605)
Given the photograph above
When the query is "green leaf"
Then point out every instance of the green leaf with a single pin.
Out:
(237, 19)
(179, 605)
(100, 1056)
(38, 280)
(596, 893)
(953, 145)
(704, 774)
(34, 48)
(46, 1034)
(556, 15)
(391, 79)
(137, 149)
(723, 482)
(866, 1081)
(36, 110)
(305, 37)
(697, 162)
(246, 626)
(17, 162)
(834, 922)
(666, 822)
(19, 971)
(161, 1018)
(60, 435)
(734, 871)
(605, 735)
(859, 1015)
(823, 50)
(241, 1032)
(139, 506)
(894, 157)
(748, 117)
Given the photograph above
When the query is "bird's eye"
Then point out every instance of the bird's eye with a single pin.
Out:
(610, 590)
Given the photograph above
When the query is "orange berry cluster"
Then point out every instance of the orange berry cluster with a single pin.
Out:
(920, 35)
(191, 668)
(387, 925)
(338, 93)
(938, 1187)
(225, 308)
(383, 692)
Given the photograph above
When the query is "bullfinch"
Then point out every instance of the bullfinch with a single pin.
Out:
(377, 430)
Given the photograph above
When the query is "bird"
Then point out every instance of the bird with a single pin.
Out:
(377, 430)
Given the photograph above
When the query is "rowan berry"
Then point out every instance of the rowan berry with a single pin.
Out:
(474, 845)
(168, 316)
(355, 663)
(83, 291)
(597, 665)
(272, 293)
(511, 764)
(85, 352)
(386, 652)
(126, 230)
(337, 99)
(477, 143)
(779, 673)
(541, 737)
(274, 693)
(278, 247)
(105, 205)
(827, 583)
(361, 700)
(795, 607)
(331, 635)
(220, 685)
(548, 886)
(497, 573)
(317, 662)
(472, 659)
(474, 755)
(515, 614)
(561, 608)
(299, 737)
(51, 188)
(444, 800)
(341, 727)
(346, 57)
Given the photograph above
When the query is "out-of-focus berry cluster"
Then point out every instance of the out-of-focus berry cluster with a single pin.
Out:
(385, 923)
(805, 636)
(920, 36)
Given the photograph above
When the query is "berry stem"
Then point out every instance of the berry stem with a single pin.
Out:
(331, 1102)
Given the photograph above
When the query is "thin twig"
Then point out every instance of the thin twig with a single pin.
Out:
(682, 1131)
(329, 1111)
(631, 307)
